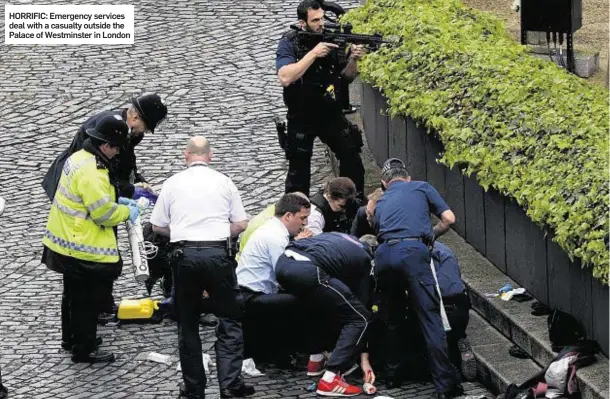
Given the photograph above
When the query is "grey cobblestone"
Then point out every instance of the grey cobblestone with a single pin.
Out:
(213, 61)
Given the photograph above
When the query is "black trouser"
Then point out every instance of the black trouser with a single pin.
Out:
(457, 308)
(3, 390)
(107, 304)
(80, 305)
(270, 324)
(328, 294)
(212, 270)
(339, 135)
(406, 266)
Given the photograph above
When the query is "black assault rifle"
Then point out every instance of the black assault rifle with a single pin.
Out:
(340, 35)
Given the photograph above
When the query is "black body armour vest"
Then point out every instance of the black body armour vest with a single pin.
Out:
(319, 89)
(333, 221)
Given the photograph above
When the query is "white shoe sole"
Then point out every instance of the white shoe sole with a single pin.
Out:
(2, 203)
(315, 373)
(335, 394)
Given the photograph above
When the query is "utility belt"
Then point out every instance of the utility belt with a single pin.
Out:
(301, 126)
(226, 244)
(461, 300)
(424, 240)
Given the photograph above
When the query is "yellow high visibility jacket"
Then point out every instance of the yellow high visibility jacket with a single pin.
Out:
(256, 222)
(84, 212)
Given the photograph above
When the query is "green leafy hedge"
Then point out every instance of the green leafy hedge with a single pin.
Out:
(523, 125)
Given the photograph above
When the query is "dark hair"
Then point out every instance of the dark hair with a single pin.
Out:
(291, 202)
(394, 173)
(305, 6)
(341, 188)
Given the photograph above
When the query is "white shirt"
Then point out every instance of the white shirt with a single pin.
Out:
(256, 266)
(315, 221)
(198, 204)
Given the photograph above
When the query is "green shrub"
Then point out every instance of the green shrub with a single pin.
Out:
(523, 125)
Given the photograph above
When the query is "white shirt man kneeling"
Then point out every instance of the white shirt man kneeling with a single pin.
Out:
(270, 318)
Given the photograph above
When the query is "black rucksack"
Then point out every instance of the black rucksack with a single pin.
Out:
(564, 329)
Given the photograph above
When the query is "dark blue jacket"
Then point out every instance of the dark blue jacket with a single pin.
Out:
(447, 271)
(340, 255)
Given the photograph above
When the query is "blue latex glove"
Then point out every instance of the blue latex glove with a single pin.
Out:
(126, 201)
(140, 192)
(134, 212)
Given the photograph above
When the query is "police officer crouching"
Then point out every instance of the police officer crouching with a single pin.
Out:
(405, 233)
(457, 305)
(80, 239)
(328, 212)
(363, 221)
(313, 74)
(200, 209)
(329, 271)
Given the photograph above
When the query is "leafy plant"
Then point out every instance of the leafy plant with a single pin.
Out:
(525, 126)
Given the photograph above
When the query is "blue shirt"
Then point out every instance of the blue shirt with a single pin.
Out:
(285, 54)
(447, 271)
(404, 210)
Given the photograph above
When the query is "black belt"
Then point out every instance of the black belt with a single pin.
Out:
(203, 244)
(395, 240)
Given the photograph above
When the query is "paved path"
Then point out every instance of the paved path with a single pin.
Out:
(214, 63)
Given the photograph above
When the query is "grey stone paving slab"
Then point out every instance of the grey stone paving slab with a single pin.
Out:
(213, 61)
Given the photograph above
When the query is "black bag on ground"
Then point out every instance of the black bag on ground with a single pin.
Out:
(564, 329)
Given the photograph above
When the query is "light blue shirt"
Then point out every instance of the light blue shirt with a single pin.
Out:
(256, 266)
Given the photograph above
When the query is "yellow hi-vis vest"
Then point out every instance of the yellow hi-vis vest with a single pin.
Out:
(84, 211)
(256, 222)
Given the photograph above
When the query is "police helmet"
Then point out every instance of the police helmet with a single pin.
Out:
(151, 109)
(111, 129)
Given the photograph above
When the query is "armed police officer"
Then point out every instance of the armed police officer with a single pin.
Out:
(312, 74)
(404, 229)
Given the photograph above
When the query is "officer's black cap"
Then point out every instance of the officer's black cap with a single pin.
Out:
(151, 109)
(393, 163)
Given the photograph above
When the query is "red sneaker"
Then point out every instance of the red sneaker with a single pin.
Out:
(337, 388)
(316, 368)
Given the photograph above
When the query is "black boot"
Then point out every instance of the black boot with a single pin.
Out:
(67, 345)
(239, 392)
(96, 356)
(184, 394)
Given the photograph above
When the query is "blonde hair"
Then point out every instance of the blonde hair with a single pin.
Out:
(375, 195)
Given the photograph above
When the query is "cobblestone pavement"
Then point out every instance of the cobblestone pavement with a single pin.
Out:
(214, 63)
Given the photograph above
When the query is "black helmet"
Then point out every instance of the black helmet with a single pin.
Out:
(111, 129)
(151, 109)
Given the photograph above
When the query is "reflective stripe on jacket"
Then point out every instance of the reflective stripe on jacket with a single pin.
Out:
(84, 212)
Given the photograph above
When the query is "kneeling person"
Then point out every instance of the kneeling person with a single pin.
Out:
(328, 271)
(263, 302)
